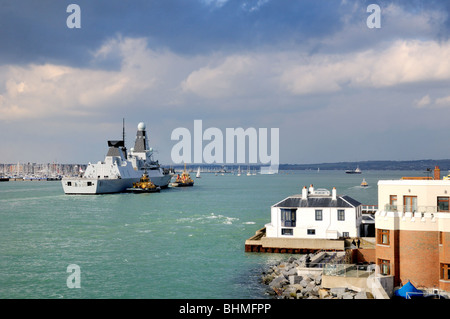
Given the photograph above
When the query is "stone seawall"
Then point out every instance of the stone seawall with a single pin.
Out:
(294, 279)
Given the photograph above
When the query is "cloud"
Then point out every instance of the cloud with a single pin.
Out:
(233, 76)
(443, 102)
(423, 102)
(402, 63)
(429, 103)
(252, 6)
(166, 78)
(36, 91)
(295, 73)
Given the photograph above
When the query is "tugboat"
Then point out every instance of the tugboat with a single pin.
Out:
(183, 180)
(144, 186)
(364, 183)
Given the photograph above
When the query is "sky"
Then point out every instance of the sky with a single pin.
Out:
(336, 89)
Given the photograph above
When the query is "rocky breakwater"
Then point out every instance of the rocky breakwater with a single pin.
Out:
(294, 279)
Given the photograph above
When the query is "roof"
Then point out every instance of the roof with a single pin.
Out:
(317, 201)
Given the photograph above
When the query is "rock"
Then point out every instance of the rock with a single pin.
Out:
(347, 295)
(315, 290)
(305, 282)
(278, 282)
(267, 279)
(307, 290)
(291, 260)
(294, 279)
(323, 293)
(318, 279)
(338, 292)
(290, 272)
(361, 295)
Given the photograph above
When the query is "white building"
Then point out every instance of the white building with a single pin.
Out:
(315, 214)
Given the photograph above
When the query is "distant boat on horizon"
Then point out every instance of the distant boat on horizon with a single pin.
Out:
(356, 171)
(198, 173)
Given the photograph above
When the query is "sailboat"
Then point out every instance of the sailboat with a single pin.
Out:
(248, 171)
(239, 171)
(198, 173)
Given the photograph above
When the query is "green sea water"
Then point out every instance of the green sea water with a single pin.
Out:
(180, 243)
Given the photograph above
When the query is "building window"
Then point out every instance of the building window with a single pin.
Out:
(341, 214)
(445, 271)
(288, 217)
(410, 204)
(383, 237)
(393, 203)
(287, 231)
(385, 267)
(311, 231)
(442, 203)
(346, 234)
(319, 215)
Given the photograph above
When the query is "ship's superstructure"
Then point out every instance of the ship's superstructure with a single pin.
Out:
(119, 170)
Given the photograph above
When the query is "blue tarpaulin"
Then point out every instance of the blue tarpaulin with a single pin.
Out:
(409, 291)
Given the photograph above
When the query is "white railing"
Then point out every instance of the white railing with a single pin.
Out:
(349, 270)
(414, 209)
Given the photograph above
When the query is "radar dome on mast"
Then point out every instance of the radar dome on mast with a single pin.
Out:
(141, 126)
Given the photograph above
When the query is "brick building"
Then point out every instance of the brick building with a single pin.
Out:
(413, 231)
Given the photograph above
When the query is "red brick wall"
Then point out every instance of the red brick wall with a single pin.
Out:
(389, 252)
(419, 258)
(444, 257)
(364, 255)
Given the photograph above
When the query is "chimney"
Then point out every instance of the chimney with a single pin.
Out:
(333, 194)
(304, 193)
(311, 189)
(437, 172)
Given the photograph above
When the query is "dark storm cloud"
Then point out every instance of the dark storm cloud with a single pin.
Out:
(36, 31)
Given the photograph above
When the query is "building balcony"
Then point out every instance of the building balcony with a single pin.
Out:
(415, 209)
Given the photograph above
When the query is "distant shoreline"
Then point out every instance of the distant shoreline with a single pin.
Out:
(412, 165)
(444, 165)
